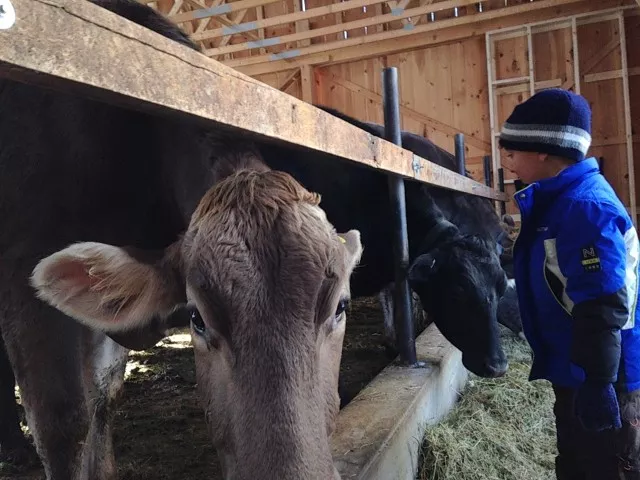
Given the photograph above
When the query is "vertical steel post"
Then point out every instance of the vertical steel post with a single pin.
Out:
(487, 170)
(403, 318)
(503, 206)
(460, 154)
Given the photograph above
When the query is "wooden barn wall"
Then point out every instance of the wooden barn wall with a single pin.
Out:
(600, 68)
(444, 90)
(632, 28)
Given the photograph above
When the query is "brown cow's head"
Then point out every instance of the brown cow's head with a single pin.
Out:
(267, 282)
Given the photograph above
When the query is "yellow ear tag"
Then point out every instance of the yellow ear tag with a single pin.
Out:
(341, 239)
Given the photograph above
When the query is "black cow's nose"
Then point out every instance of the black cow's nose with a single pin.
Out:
(486, 369)
(499, 369)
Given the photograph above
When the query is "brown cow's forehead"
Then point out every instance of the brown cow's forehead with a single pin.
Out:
(263, 243)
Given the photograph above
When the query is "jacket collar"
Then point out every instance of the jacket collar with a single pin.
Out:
(555, 185)
(537, 196)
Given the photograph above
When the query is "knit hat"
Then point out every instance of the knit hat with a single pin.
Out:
(553, 121)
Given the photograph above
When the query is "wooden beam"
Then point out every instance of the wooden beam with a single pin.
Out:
(182, 83)
(204, 23)
(307, 79)
(289, 80)
(430, 27)
(224, 9)
(610, 141)
(631, 176)
(430, 122)
(441, 36)
(235, 21)
(365, 22)
(289, 18)
(222, 18)
(593, 62)
(302, 25)
(556, 82)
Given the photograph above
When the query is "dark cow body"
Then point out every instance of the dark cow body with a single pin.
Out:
(459, 232)
(347, 198)
(73, 170)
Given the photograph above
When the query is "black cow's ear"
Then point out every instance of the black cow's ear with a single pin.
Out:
(422, 269)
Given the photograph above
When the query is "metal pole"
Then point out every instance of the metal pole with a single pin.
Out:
(403, 317)
(460, 155)
(503, 206)
(487, 170)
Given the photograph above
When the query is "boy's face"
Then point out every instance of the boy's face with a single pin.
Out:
(528, 166)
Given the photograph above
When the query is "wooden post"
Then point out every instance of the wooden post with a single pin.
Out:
(493, 129)
(307, 83)
(532, 82)
(576, 56)
(627, 120)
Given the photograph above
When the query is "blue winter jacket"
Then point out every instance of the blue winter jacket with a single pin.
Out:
(576, 271)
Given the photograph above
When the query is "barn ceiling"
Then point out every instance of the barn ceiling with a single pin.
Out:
(262, 36)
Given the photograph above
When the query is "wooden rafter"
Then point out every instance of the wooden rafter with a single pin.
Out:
(365, 22)
(289, 80)
(442, 35)
(224, 9)
(290, 18)
(430, 27)
(204, 23)
(236, 20)
(593, 62)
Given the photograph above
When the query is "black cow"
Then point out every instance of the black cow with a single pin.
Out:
(455, 269)
(473, 215)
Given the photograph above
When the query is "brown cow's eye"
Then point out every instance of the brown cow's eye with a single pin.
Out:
(197, 322)
(342, 306)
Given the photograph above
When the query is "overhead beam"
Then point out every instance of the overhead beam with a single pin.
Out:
(440, 36)
(182, 83)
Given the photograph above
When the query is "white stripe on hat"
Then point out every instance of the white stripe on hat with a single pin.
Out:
(571, 137)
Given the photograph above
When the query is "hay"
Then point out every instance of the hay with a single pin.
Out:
(501, 429)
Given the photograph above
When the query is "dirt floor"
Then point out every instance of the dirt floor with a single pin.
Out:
(159, 430)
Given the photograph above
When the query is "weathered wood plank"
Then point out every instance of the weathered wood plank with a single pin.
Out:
(114, 60)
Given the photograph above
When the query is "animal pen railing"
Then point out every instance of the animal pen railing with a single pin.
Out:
(79, 48)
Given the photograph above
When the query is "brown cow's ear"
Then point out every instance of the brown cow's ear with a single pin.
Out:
(353, 245)
(106, 288)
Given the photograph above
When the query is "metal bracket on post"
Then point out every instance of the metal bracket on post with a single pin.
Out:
(503, 205)
(460, 154)
(486, 160)
(402, 311)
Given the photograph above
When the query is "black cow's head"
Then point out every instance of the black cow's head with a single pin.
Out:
(460, 282)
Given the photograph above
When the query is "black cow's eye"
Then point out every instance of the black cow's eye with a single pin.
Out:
(342, 306)
(197, 322)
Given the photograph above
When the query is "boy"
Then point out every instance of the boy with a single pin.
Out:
(576, 271)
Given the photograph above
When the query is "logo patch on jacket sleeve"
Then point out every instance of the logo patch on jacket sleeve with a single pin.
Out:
(590, 259)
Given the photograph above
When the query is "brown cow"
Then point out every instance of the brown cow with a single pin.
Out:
(264, 279)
